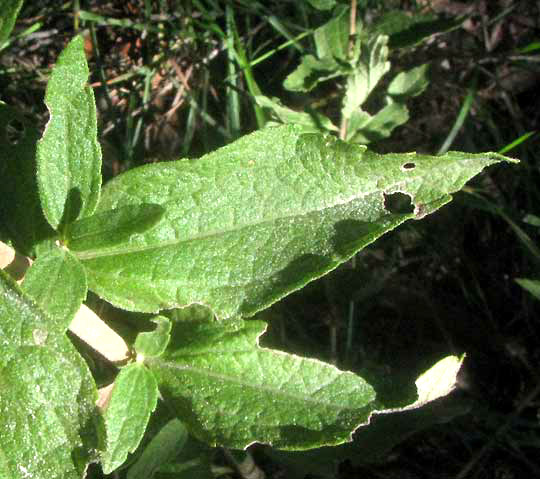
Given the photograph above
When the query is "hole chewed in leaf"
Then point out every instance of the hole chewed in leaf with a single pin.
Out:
(408, 166)
(398, 203)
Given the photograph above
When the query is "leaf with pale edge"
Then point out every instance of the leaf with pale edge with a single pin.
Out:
(252, 222)
(410, 83)
(133, 399)
(48, 415)
(57, 282)
(69, 155)
(229, 391)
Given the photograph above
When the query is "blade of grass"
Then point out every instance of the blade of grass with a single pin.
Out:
(523, 138)
(233, 101)
(460, 120)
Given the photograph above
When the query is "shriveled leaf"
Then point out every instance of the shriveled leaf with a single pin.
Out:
(112, 227)
(381, 124)
(57, 282)
(153, 343)
(250, 223)
(312, 121)
(21, 218)
(372, 65)
(310, 73)
(410, 83)
(134, 398)
(69, 155)
(231, 392)
(48, 417)
(162, 449)
(9, 9)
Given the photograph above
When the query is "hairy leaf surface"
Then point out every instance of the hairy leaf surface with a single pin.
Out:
(47, 405)
(57, 282)
(231, 392)
(69, 155)
(133, 399)
(252, 222)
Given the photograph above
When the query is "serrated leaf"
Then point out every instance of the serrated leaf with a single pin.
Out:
(48, 417)
(231, 392)
(410, 83)
(372, 65)
(311, 122)
(69, 155)
(57, 282)
(250, 223)
(153, 343)
(161, 450)
(9, 9)
(112, 227)
(133, 399)
(21, 217)
(381, 124)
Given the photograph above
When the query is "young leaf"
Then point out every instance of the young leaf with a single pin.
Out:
(310, 73)
(332, 39)
(69, 155)
(380, 125)
(56, 281)
(311, 121)
(21, 217)
(111, 227)
(163, 448)
(231, 392)
(48, 415)
(372, 65)
(133, 399)
(410, 83)
(153, 343)
(250, 223)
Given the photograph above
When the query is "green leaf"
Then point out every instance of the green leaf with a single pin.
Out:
(322, 4)
(312, 121)
(262, 217)
(310, 73)
(380, 125)
(48, 417)
(21, 217)
(332, 39)
(56, 281)
(372, 65)
(9, 9)
(161, 450)
(112, 227)
(410, 83)
(133, 398)
(231, 392)
(530, 285)
(407, 30)
(153, 343)
(69, 155)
